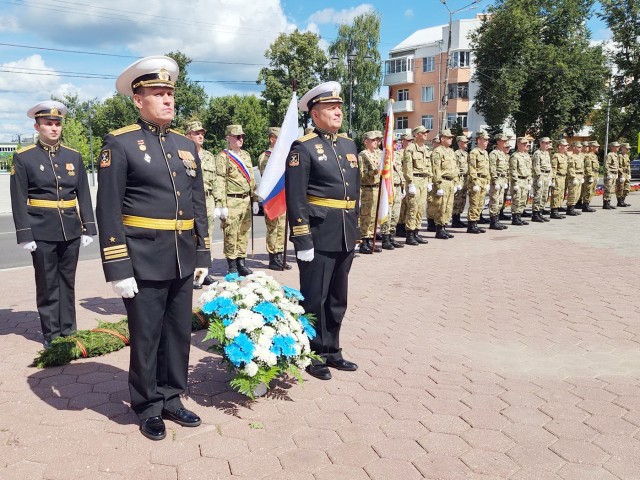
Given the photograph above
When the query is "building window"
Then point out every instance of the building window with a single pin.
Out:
(427, 94)
(403, 95)
(428, 64)
(459, 118)
(402, 123)
(427, 121)
(460, 59)
(398, 65)
(459, 90)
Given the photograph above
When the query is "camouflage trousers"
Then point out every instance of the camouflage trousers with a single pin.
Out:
(574, 189)
(275, 233)
(236, 227)
(402, 217)
(211, 205)
(460, 198)
(622, 188)
(557, 195)
(541, 192)
(394, 212)
(442, 204)
(588, 189)
(368, 209)
(476, 199)
(496, 195)
(416, 204)
(520, 195)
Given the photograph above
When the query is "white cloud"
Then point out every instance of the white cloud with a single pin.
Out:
(9, 24)
(344, 16)
(29, 74)
(408, 13)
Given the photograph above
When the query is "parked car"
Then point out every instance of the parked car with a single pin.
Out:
(635, 168)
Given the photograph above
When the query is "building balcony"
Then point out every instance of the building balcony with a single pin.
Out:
(403, 106)
(399, 78)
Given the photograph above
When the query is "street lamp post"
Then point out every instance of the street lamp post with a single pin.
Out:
(445, 95)
(93, 173)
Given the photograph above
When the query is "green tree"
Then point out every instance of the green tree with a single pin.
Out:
(190, 96)
(74, 136)
(248, 111)
(543, 76)
(115, 112)
(356, 48)
(298, 56)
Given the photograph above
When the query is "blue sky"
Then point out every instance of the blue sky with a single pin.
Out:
(227, 38)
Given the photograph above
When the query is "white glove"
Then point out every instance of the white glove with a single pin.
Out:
(582, 180)
(216, 213)
(199, 274)
(403, 193)
(609, 177)
(590, 179)
(508, 197)
(487, 187)
(29, 246)
(440, 192)
(305, 255)
(255, 208)
(126, 288)
(539, 183)
(529, 187)
(411, 189)
(552, 184)
(621, 179)
(506, 185)
(429, 187)
(516, 188)
(224, 213)
(459, 187)
(497, 186)
(476, 188)
(575, 181)
(86, 240)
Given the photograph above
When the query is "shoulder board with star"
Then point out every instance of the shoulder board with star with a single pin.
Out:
(69, 148)
(129, 128)
(308, 136)
(24, 149)
(344, 135)
(172, 130)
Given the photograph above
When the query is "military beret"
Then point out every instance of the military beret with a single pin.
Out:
(482, 134)
(614, 144)
(462, 138)
(194, 126)
(155, 71)
(327, 92)
(500, 137)
(522, 140)
(545, 140)
(234, 130)
(420, 129)
(446, 133)
(49, 109)
(275, 131)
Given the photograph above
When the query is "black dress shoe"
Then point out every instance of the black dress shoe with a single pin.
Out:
(209, 280)
(320, 371)
(342, 364)
(183, 417)
(197, 286)
(153, 428)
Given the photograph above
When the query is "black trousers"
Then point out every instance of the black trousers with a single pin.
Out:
(55, 267)
(324, 283)
(159, 318)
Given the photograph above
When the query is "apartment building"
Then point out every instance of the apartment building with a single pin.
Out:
(415, 73)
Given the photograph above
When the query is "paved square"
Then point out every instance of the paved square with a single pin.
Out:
(511, 354)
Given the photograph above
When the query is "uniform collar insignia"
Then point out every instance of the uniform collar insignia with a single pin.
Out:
(327, 135)
(49, 148)
(153, 127)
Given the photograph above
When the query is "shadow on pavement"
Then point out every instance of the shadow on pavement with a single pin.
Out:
(25, 323)
(104, 306)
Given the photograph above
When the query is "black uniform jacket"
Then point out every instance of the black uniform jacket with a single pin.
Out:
(51, 173)
(151, 173)
(323, 165)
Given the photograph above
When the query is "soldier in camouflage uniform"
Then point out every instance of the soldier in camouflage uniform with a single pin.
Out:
(478, 183)
(369, 164)
(520, 174)
(498, 173)
(575, 178)
(236, 198)
(611, 168)
(623, 185)
(541, 179)
(431, 223)
(388, 228)
(460, 197)
(196, 132)
(591, 173)
(445, 182)
(559, 162)
(416, 167)
(401, 230)
(275, 227)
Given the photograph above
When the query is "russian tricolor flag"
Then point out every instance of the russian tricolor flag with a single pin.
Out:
(271, 188)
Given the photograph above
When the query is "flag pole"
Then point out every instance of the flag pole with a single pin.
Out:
(286, 216)
(375, 224)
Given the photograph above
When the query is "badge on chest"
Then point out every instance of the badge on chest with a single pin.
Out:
(353, 160)
(188, 161)
(322, 157)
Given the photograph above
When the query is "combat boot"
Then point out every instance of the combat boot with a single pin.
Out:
(571, 211)
(516, 220)
(409, 238)
(625, 203)
(233, 267)
(482, 220)
(495, 225)
(587, 208)
(280, 260)
(555, 215)
(374, 249)
(472, 227)
(395, 243)
(273, 262)
(243, 270)
(418, 238)
(541, 216)
(545, 212)
(386, 242)
(401, 230)
(607, 205)
(579, 205)
(525, 214)
(537, 217)
(440, 233)
(431, 225)
(446, 232)
(504, 216)
(457, 223)
(365, 247)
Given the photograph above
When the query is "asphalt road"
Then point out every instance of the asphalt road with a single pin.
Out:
(13, 256)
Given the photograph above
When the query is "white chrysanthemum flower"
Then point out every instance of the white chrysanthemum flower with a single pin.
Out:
(251, 369)
(232, 287)
(231, 331)
(303, 362)
(226, 295)
(249, 300)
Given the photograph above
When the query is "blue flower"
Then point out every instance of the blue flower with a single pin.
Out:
(240, 351)
(292, 293)
(284, 345)
(223, 307)
(307, 328)
(230, 277)
(269, 311)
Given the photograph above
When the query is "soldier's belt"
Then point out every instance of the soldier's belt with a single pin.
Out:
(545, 171)
(370, 186)
(482, 176)
(421, 175)
(157, 223)
(237, 195)
(447, 178)
(331, 202)
(52, 203)
(561, 174)
(522, 178)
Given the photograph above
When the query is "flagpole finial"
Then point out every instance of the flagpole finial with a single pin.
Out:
(392, 100)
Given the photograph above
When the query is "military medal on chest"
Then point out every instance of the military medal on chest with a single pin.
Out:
(70, 169)
(353, 160)
(188, 161)
(42, 168)
(320, 151)
(141, 145)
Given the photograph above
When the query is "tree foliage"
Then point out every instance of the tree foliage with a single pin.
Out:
(356, 48)
(291, 56)
(190, 97)
(536, 67)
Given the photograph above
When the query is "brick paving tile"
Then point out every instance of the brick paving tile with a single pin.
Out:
(398, 449)
(576, 451)
(445, 424)
(406, 410)
(152, 472)
(491, 440)
(532, 473)
(629, 402)
(619, 446)
(623, 390)
(522, 399)
(286, 475)
(355, 433)
(445, 406)
(71, 466)
(526, 415)
(485, 419)
(250, 464)
(352, 454)
(174, 455)
(597, 407)
(316, 438)
(489, 463)
(306, 460)
(341, 472)
(442, 467)
(395, 428)
(23, 470)
(444, 443)
(215, 446)
(571, 429)
(326, 420)
(262, 441)
(573, 471)
(564, 411)
(593, 393)
(368, 415)
(203, 469)
(381, 399)
(336, 403)
(385, 468)
(612, 425)
(624, 468)
(536, 456)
